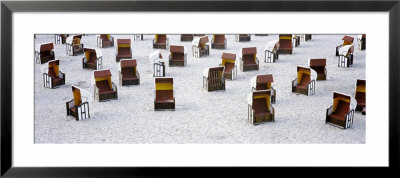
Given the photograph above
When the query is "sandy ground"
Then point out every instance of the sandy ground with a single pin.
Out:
(200, 116)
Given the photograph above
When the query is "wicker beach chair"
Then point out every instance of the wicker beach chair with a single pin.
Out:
(360, 96)
(160, 42)
(264, 82)
(259, 107)
(200, 46)
(158, 66)
(213, 79)
(105, 40)
(347, 40)
(305, 81)
(104, 88)
(271, 51)
(73, 45)
(53, 77)
(296, 40)
(229, 62)
(60, 38)
(218, 42)
(341, 112)
(346, 56)
(242, 37)
(177, 56)
(128, 74)
(187, 37)
(248, 59)
(319, 65)
(92, 59)
(164, 94)
(361, 41)
(124, 50)
(308, 37)
(77, 107)
(285, 44)
(45, 53)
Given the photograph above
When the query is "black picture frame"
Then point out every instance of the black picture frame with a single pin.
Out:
(8, 7)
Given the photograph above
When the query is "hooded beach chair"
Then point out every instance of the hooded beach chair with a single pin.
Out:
(105, 40)
(158, 66)
(213, 79)
(128, 74)
(346, 56)
(296, 40)
(77, 107)
(248, 59)
(285, 44)
(264, 82)
(138, 37)
(164, 94)
(45, 54)
(92, 59)
(160, 41)
(341, 112)
(319, 65)
(200, 46)
(187, 37)
(218, 42)
(177, 56)
(104, 88)
(347, 40)
(305, 81)
(242, 37)
(229, 62)
(361, 41)
(307, 37)
(259, 107)
(53, 77)
(271, 51)
(73, 45)
(360, 96)
(124, 50)
(60, 38)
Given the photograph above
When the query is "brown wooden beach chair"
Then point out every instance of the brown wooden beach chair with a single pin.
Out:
(164, 93)
(45, 54)
(248, 59)
(361, 41)
(128, 74)
(264, 82)
(177, 56)
(76, 108)
(104, 88)
(340, 114)
(105, 40)
(91, 59)
(260, 108)
(218, 42)
(124, 50)
(160, 41)
(296, 40)
(360, 96)
(242, 37)
(60, 38)
(303, 84)
(187, 37)
(285, 44)
(229, 62)
(200, 46)
(319, 66)
(54, 77)
(75, 47)
(213, 79)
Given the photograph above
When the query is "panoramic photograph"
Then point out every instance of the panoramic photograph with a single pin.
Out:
(200, 89)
